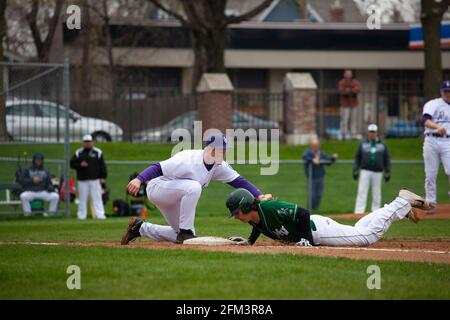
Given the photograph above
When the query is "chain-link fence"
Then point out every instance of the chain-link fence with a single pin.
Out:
(290, 183)
(35, 98)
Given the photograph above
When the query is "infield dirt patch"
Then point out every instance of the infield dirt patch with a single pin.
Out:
(436, 251)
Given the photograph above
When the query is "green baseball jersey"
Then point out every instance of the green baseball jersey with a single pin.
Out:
(279, 220)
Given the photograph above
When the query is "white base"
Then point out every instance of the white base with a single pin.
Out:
(209, 241)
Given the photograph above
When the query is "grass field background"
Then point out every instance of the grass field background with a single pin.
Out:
(289, 183)
(39, 272)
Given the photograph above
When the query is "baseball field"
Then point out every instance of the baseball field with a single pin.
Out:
(413, 260)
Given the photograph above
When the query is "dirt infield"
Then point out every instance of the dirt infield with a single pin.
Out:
(436, 251)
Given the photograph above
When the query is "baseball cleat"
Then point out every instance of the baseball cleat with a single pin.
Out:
(415, 200)
(132, 232)
(412, 216)
(184, 235)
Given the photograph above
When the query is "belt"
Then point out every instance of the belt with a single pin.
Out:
(437, 135)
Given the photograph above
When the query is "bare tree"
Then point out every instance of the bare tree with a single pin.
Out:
(431, 17)
(104, 15)
(207, 24)
(3, 132)
(86, 40)
(43, 43)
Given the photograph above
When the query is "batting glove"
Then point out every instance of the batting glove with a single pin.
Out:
(303, 243)
(240, 241)
(387, 176)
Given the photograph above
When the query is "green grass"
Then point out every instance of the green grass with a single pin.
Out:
(71, 230)
(400, 149)
(289, 183)
(39, 272)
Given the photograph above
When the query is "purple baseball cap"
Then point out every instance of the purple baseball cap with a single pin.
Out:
(217, 141)
(445, 86)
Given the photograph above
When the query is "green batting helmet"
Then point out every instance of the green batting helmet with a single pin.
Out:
(240, 199)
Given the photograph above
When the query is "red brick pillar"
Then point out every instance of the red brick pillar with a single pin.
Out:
(300, 108)
(215, 104)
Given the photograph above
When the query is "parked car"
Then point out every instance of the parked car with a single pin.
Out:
(44, 121)
(403, 129)
(186, 120)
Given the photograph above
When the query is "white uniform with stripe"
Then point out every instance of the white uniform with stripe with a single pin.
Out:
(177, 192)
(367, 230)
(436, 149)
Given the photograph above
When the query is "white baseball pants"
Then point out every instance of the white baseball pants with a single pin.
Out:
(367, 230)
(28, 196)
(435, 150)
(368, 178)
(93, 190)
(177, 200)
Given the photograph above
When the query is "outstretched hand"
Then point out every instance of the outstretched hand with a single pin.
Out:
(134, 186)
(240, 241)
(267, 196)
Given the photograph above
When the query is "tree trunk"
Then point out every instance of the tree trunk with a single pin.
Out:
(85, 92)
(431, 18)
(209, 52)
(215, 49)
(200, 57)
(3, 132)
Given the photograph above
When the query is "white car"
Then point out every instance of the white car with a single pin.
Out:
(44, 121)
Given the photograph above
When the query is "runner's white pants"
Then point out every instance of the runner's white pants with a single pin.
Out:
(28, 196)
(367, 230)
(435, 150)
(368, 178)
(177, 200)
(90, 189)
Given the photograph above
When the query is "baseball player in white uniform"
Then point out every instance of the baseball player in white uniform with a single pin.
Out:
(175, 186)
(436, 147)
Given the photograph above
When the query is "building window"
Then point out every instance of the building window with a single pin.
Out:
(401, 92)
(248, 78)
(150, 81)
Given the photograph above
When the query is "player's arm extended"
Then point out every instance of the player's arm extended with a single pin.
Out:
(148, 174)
(427, 121)
(247, 242)
(254, 236)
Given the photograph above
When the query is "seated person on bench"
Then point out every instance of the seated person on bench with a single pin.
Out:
(36, 184)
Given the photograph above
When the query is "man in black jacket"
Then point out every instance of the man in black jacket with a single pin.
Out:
(372, 158)
(36, 184)
(91, 173)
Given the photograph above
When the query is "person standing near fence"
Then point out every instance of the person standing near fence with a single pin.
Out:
(90, 165)
(349, 89)
(315, 160)
(436, 146)
(372, 158)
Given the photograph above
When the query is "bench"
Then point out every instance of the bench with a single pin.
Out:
(8, 188)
